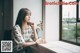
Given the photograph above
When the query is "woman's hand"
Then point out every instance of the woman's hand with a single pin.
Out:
(37, 41)
(31, 24)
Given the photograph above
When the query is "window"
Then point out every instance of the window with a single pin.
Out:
(69, 25)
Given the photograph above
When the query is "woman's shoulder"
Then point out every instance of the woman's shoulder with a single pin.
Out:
(16, 27)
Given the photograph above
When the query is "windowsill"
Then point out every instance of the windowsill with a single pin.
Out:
(62, 47)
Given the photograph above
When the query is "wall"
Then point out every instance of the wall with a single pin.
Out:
(52, 22)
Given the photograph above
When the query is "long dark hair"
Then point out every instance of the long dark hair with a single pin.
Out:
(21, 16)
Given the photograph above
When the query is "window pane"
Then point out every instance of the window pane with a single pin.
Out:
(78, 27)
(69, 23)
(78, 32)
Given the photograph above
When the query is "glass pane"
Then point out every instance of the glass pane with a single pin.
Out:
(69, 23)
(78, 27)
(78, 32)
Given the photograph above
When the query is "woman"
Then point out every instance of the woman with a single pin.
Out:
(23, 31)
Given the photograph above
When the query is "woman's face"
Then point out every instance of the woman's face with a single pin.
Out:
(27, 18)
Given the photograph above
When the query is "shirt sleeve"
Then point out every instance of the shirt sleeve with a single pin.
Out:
(17, 35)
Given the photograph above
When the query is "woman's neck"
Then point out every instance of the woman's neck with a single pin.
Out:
(24, 25)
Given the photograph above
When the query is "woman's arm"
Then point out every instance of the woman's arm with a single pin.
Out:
(34, 31)
(29, 44)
